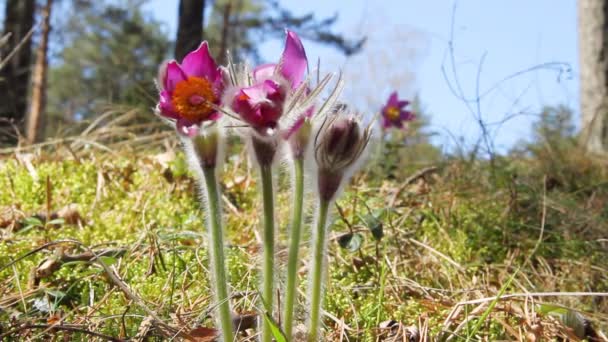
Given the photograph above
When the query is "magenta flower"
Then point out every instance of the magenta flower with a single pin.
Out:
(262, 104)
(191, 92)
(394, 113)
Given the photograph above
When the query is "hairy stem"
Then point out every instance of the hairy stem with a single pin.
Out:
(294, 245)
(318, 260)
(268, 263)
(216, 247)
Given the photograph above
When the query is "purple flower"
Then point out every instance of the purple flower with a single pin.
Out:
(394, 113)
(262, 104)
(191, 91)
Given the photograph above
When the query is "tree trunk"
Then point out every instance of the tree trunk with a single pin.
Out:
(15, 75)
(36, 115)
(189, 27)
(593, 52)
(225, 33)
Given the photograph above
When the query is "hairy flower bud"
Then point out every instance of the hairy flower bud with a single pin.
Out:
(298, 141)
(339, 144)
(205, 145)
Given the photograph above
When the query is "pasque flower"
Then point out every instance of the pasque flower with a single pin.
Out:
(190, 95)
(340, 142)
(262, 104)
(394, 113)
(191, 91)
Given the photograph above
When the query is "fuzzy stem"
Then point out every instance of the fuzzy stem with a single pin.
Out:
(294, 246)
(318, 259)
(268, 265)
(216, 247)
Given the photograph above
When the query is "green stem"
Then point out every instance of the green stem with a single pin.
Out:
(318, 259)
(216, 247)
(294, 246)
(268, 266)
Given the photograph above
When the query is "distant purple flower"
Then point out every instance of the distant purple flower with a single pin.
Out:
(394, 113)
(189, 91)
(262, 104)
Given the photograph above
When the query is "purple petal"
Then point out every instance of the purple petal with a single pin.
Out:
(263, 72)
(162, 74)
(199, 63)
(393, 101)
(186, 128)
(293, 61)
(299, 122)
(173, 76)
(401, 104)
(407, 116)
(261, 92)
(166, 106)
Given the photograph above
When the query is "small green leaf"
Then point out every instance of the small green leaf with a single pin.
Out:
(276, 331)
(374, 225)
(547, 309)
(57, 221)
(351, 241)
(33, 222)
(55, 293)
(107, 260)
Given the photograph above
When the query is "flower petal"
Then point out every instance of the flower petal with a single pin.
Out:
(393, 100)
(186, 128)
(162, 74)
(298, 123)
(293, 61)
(263, 72)
(199, 63)
(166, 106)
(174, 74)
(401, 104)
(406, 115)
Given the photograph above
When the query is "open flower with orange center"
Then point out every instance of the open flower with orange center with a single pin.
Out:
(264, 103)
(394, 113)
(191, 91)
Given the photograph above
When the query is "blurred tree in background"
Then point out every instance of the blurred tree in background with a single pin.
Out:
(190, 24)
(103, 55)
(111, 56)
(15, 74)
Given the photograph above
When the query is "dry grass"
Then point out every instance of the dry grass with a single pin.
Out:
(463, 254)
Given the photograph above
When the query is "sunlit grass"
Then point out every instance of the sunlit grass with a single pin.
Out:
(450, 236)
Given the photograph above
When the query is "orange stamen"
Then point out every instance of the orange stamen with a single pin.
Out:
(193, 98)
(393, 113)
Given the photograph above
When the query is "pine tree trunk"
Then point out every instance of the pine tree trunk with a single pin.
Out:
(190, 27)
(593, 52)
(225, 33)
(36, 115)
(15, 75)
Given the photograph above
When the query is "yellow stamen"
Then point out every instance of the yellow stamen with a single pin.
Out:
(192, 98)
(393, 113)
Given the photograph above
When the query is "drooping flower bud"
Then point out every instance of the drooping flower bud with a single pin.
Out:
(339, 144)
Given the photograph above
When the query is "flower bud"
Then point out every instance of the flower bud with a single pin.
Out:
(206, 145)
(339, 144)
(298, 141)
(264, 149)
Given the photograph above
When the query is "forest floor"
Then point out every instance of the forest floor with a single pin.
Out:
(460, 250)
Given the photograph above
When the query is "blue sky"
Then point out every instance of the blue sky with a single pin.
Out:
(407, 49)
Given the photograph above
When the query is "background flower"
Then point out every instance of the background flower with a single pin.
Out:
(394, 113)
